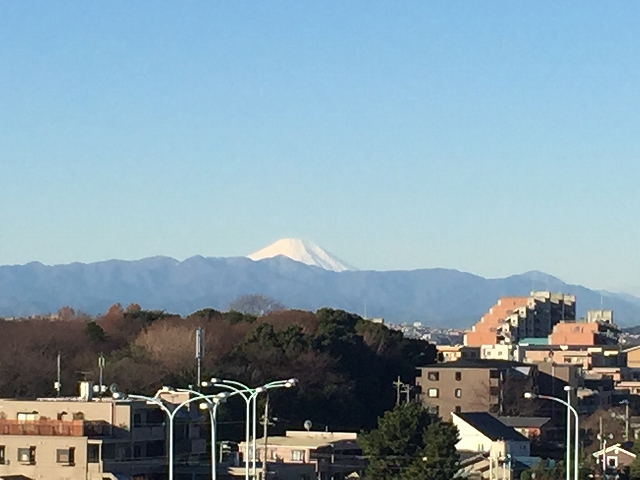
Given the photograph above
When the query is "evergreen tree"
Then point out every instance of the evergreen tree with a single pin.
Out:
(634, 468)
(410, 444)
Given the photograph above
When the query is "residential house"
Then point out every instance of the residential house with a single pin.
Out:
(319, 455)
(616, 457)
(491, 448)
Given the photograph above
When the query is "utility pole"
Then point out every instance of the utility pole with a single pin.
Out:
(265, 426)
(406, 389)
(398, 384)
(626, 420)
(58, 384)
(199, 354)
(101, 364)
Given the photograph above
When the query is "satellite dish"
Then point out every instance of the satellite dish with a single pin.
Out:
(307, 425)
(113, 388)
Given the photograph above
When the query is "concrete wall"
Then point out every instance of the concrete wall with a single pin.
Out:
(471, 393)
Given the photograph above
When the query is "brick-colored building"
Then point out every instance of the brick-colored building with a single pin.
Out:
(513, 318)
(584, 332)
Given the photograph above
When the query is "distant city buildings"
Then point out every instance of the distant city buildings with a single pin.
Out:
(534, 343)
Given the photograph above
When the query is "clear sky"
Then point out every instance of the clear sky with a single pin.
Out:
(491, 137)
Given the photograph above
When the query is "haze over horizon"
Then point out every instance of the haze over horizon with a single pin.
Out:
(489, 138)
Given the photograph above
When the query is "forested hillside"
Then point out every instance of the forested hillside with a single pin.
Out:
(345, 365)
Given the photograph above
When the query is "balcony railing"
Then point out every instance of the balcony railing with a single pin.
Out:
(63, 428)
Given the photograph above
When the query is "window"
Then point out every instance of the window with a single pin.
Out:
(27, 417)
(156, 448)
(27, 455)
(137, 419)
(433, 393)
(108, 451)
(458, 376)
(433, 376)
(494, 391)
(137, 451)
(297, 455)
(494, 374)
(2, 457)
(458, 392)
(458, 409)
(434, 410)
(66, 456)
(93, 453)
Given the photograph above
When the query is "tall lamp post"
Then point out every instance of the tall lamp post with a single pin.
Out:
(245, 395)
(171, 414)
(576, 435)
(253, 401)
(211, 403)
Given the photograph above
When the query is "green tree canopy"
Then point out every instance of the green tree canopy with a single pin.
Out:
(634, 468)
(95, 332)
(410, 444)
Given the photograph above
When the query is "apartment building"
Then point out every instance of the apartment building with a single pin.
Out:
(81, 438)
(597, 329)
(513, 318)
(473, 385)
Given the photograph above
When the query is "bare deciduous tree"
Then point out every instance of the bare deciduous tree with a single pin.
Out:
(256, 304)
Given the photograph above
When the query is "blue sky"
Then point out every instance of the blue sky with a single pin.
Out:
(491, 137)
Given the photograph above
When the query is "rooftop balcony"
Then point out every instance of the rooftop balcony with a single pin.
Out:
(62, 428)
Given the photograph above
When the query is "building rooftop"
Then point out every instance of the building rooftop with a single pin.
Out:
(524, 422)
(490, 426)
(304, 439)
(477, 363)
(534, 341)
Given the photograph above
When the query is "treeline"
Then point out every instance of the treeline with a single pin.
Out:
(346, 365)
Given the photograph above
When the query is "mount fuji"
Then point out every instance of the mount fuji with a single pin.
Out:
(302, 251)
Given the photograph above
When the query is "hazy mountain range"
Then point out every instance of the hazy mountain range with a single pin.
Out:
(433, 296)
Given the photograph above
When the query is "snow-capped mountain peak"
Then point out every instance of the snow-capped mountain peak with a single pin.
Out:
(302, 251)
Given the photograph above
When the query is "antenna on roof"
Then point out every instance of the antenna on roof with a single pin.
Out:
(58, 383)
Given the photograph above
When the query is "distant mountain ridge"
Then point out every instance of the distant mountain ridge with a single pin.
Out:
(433, 296)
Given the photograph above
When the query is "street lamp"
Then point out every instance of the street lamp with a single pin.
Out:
(211, 403)
(216, 382)
(253, 398)
(530, 395)
(170, 414)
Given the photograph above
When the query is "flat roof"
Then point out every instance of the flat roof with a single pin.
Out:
(476, 363)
